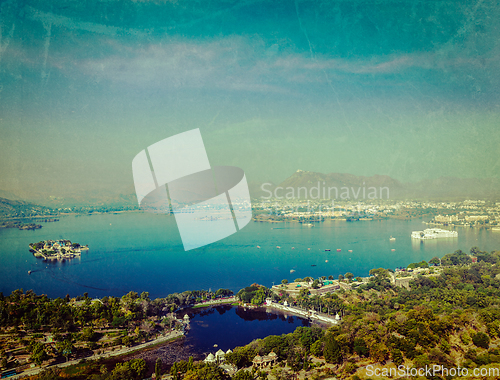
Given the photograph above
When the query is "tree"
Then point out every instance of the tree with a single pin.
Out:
(224, 293)
(174, 371)
(332, 351)
(207, 372)
(190, 363)
(378, 352)
(243, 375)
(127, 341)
(38, 354)
(435, 260)
(317, 348)
(481, 340)
(474, 251)
(379, 272)
(122, 371)
(65, 348)
(397, 357)
(139, 367)
(349, 276)
(303, 293)
(341, 277)
(277, 344)
(88, 334)
(158, 368)
(421, 361)
(259, 297)
(284, 281)
(241, 356)
(360, 347)
(315, 284)
(247, 293)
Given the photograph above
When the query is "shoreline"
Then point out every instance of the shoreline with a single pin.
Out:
(211, 303)
(304, 314)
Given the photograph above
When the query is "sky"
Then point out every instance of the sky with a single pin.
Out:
(402, 88)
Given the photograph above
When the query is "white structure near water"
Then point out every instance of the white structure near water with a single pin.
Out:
(312, 314)
(219, 357)
(433, 233)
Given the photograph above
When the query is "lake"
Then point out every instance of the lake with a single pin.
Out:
(225, 326)
(230, 326)
(143, 252)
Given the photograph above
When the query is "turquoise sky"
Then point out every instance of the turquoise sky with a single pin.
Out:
(403, 88)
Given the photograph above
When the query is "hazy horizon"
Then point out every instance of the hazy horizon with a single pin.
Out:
(397, 88)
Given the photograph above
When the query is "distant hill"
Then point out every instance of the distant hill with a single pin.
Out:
(78, 198)
(20, 209)
(344, 185)
(315, 184)
(455, 188)
(9, 195)
(75, 200)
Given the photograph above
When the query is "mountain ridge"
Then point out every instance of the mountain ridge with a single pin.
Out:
(449, 188)
(442, 188)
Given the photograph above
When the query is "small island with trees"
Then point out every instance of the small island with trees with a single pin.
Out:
(57, 249)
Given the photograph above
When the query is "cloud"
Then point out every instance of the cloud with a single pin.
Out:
(241, 64)
(395, 63)
(48, 18)
(230, 63)
(225, 64)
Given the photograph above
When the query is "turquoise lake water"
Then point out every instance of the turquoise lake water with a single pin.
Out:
(143, 252)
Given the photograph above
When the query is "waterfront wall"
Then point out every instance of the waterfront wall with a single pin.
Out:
(303, 313)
